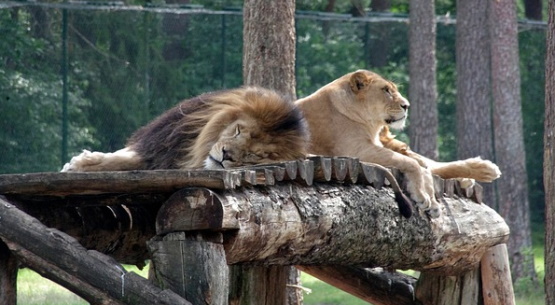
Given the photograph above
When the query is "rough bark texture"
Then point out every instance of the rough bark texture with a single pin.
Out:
(549, 159)
(268, 61)
(422, 70)
(457, 290)
(8, 276)
(508, 134)
(474, 136)
(269, 45)
(90, 274)
(335, 224)
(496, 277)
(376, 286)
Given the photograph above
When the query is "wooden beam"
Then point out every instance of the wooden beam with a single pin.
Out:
(375, 286)
(335, 224)
(90, 274)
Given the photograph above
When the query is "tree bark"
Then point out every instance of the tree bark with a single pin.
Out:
(549, 159)
(334, 224)
(474, 131)
(508, 134)
(93, 276)
(268, 61)
(269, 45)
(422, 70)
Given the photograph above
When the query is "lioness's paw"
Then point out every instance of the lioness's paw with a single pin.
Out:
(421, 190)
(466, 182)
(483, 170)
(83, 161)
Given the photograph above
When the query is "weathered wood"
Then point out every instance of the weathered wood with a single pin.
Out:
(449, 290)
(67, 183)
(119, 230)
(42, 248)
(193, 266)
(497, 284)
(251, 285)
(193, 209)
(8, 276)
(336, 224)
(376, 286)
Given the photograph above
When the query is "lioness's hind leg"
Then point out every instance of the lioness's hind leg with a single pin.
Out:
(87, 161)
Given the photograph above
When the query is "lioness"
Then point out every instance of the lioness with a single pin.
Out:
(346, 117)
(224, 129)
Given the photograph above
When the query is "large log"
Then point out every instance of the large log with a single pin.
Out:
(90, 274)
(336, 224)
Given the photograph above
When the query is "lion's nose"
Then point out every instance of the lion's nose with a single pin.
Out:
(405, 106)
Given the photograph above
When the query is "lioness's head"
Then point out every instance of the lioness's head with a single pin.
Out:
(260, 127)
(378, 100)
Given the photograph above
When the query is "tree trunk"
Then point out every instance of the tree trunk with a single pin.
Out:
(508, 134)
(268, 61)
(474, 135)
(377, 42)
(549, 159)
(8, 276)
(423, 89)
(533, 9)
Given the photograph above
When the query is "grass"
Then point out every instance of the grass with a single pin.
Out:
(36, 290)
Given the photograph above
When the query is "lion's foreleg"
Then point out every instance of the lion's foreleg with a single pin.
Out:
(121, 160)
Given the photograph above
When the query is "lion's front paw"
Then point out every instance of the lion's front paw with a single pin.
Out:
(421, 190)
(483, 170)
(84, 161)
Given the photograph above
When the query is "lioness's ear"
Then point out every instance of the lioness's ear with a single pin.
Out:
(359, 80)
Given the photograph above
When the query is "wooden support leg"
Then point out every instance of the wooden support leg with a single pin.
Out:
(192, 265)
(8, 276)
(261, 285)
(496, 277)
(449, 290)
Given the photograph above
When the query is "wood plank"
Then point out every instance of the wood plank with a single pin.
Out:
(8, 276)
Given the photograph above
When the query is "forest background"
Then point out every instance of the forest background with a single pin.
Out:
(123, 63)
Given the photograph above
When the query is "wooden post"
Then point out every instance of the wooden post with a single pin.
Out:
(190, 260)
(497, 284)
(449, 290)
(8, 276)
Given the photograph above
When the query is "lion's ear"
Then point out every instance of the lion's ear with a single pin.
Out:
(359, 80)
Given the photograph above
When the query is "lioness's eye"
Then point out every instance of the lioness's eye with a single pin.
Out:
(387, 91)
(237, 131)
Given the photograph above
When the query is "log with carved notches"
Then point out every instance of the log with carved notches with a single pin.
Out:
(269, 215)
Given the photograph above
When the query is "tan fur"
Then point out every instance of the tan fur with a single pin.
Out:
(345, 118)
(472, 168)
(218, 130)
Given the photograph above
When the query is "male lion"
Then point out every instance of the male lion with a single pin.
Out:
(345, 118)
(224, 129)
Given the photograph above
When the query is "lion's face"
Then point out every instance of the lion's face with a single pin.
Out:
(378, 100)
(265, 128)
(243, 143)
